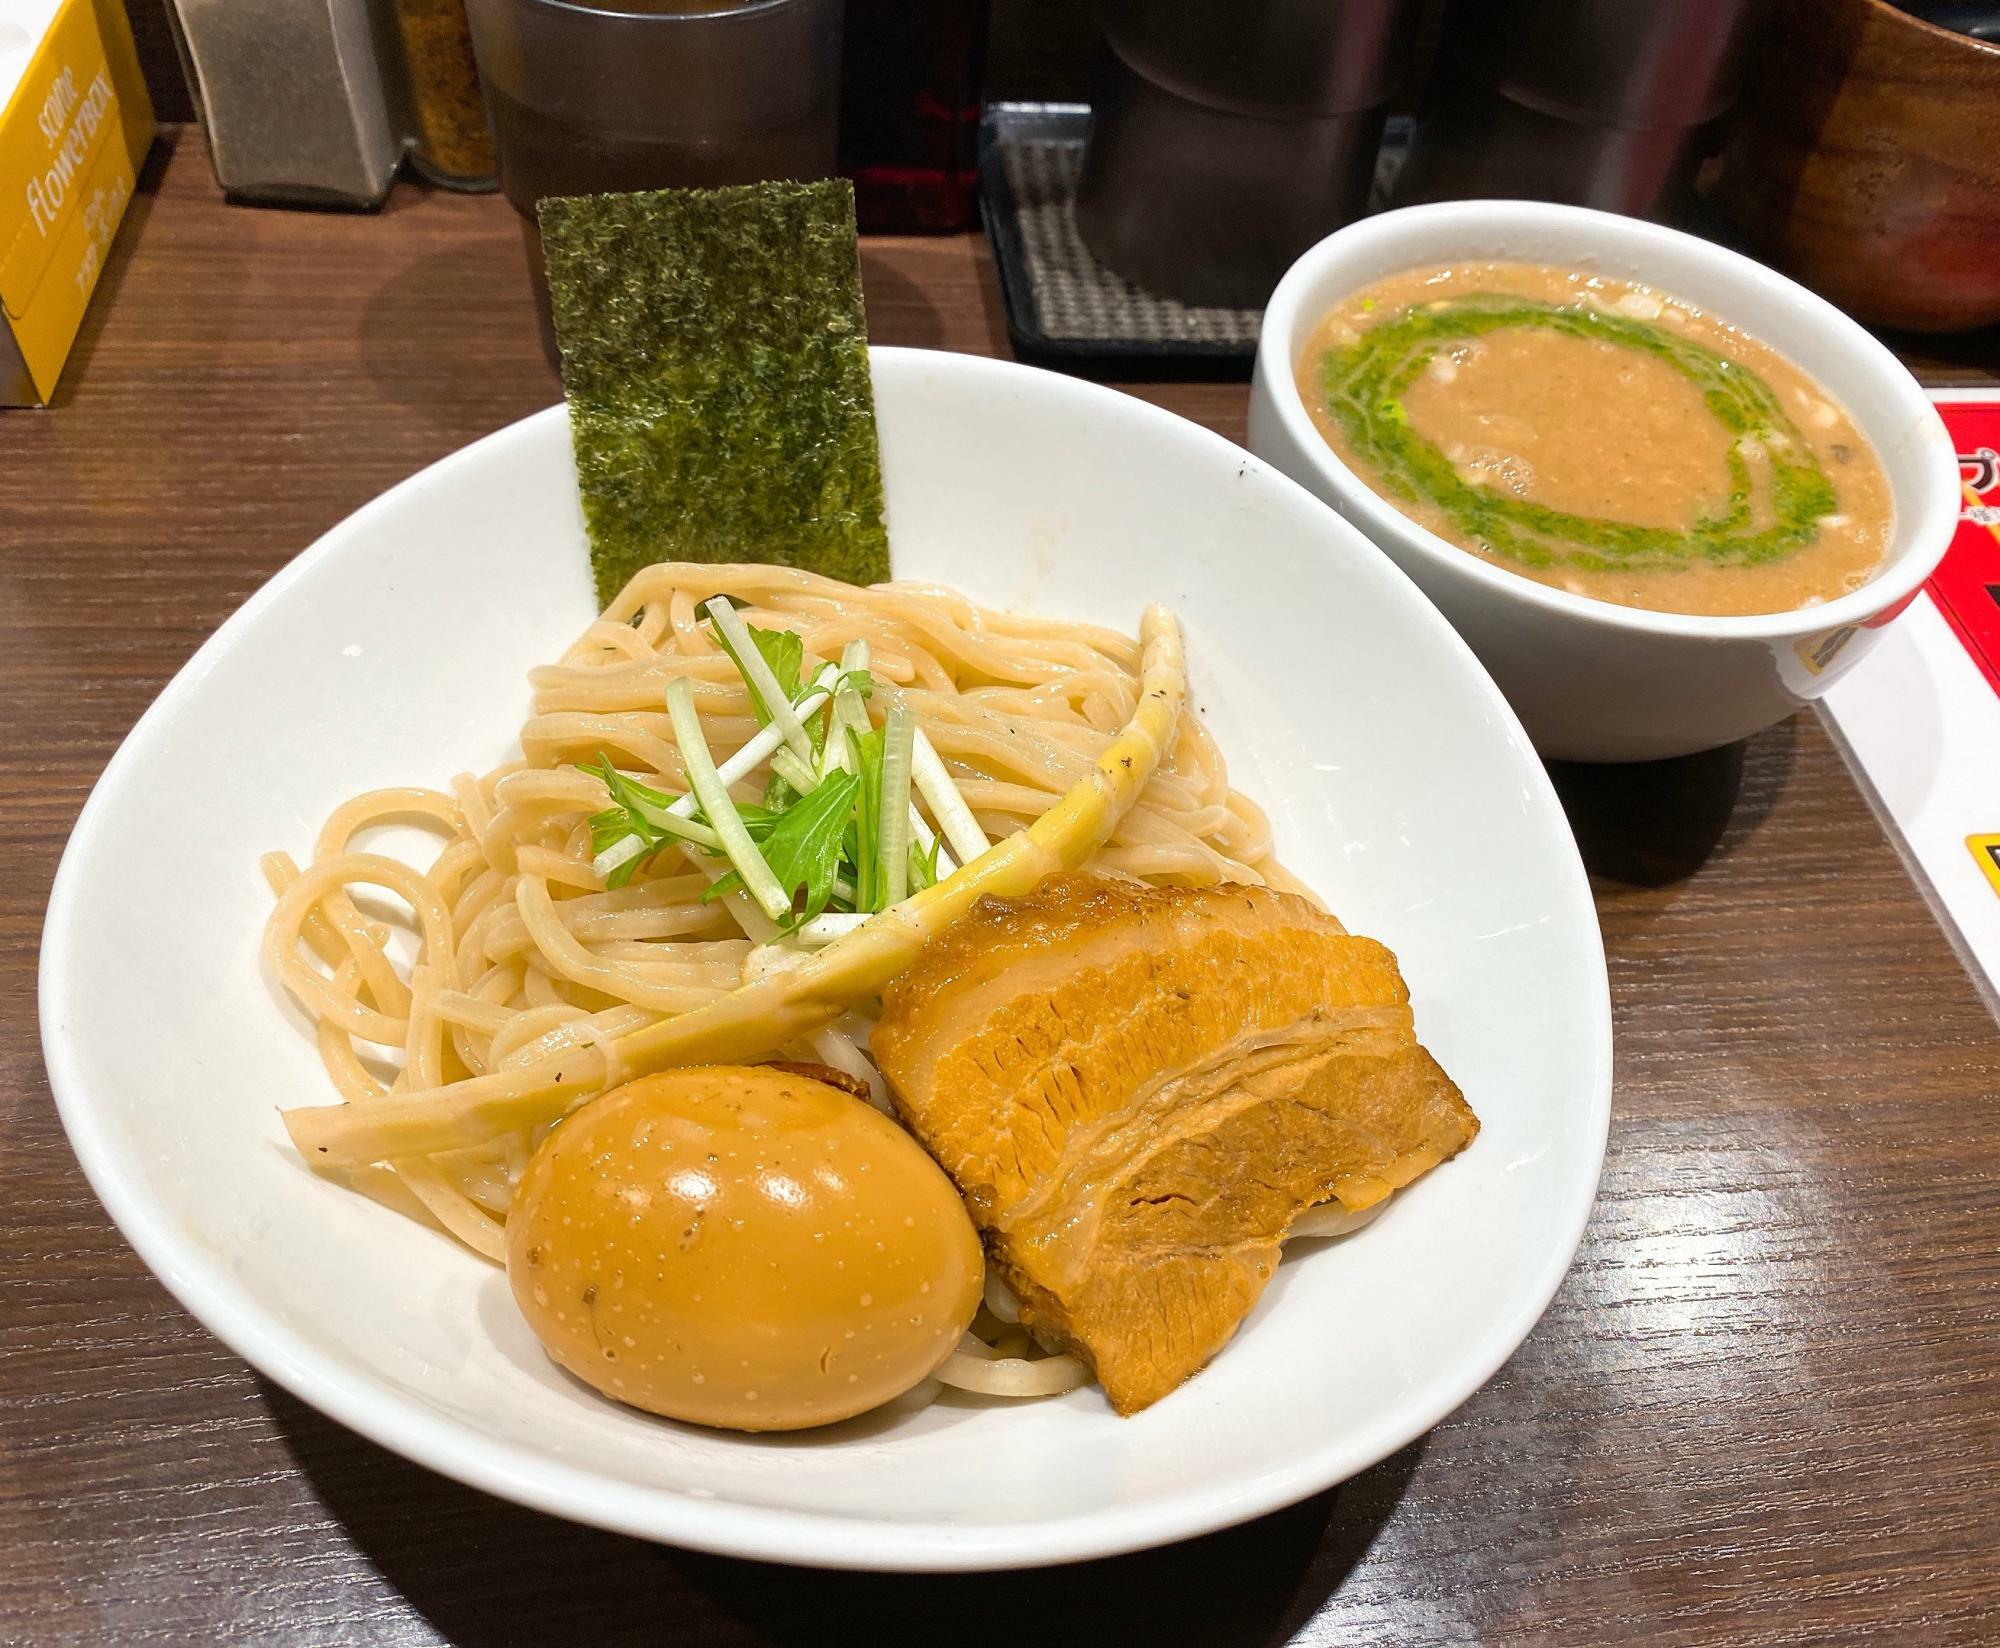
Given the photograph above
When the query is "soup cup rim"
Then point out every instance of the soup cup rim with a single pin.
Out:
(1920, 542)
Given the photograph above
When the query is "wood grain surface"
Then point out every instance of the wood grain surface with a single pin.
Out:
(1762, 1410)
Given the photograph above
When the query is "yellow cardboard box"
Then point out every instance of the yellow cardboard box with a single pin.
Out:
(75, 123)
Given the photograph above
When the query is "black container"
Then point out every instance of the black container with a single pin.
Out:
(1605, 103)
(910, 76)
(1978, 18)
(1230, 136)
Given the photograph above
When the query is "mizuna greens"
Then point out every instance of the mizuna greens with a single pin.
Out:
(838, 833)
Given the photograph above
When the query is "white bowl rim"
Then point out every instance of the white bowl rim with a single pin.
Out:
(1895, 583)
(523, 1475)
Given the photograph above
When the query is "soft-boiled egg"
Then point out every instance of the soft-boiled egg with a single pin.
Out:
(741, 1246)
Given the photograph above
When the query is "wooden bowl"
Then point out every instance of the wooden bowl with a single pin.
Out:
(1865, 161)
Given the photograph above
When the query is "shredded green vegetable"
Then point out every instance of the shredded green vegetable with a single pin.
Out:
(898, 733)
(865, 832)
(755, 655)
(803, 850)
(839, 834)
(713, 794)
(637, 814)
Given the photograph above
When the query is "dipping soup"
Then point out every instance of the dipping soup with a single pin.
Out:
(1600, 437)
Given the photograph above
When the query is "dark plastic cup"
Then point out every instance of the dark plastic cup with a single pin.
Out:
(1604, 103)
(1230, 135)
(654, 94)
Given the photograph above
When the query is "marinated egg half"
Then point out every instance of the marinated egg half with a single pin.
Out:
(741, 1246)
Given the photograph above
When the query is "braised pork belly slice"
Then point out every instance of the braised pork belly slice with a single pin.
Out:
(1138, 1089)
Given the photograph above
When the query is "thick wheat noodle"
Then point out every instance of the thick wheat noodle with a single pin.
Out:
(473, 810)
(353, 1080)
(479, 945)
(696, 926)
(377, 807)
(467, 1010)
(1014, 1376)
(335, 929)
(442, 1192)
(325, 941)
(525, 1031)
(457, 866)
(446, 1202)
(491, 989)
(620, 638)
(316, 991)
(529, 975)
(692, 983)
(565, 868)
(507, 934)
(1335, 1219)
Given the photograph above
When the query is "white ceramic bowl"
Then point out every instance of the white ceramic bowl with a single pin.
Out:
(395, 650)
(1593, 681)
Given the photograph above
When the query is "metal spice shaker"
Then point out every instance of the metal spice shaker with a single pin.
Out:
(292, 98)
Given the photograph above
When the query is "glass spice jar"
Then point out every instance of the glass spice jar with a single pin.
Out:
(453, 145)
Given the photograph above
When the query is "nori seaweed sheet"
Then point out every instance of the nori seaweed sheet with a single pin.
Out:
(715, 357)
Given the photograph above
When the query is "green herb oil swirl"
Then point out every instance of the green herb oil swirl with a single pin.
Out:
(1364, 383)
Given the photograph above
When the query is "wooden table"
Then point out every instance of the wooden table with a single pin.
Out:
(1763, 1408)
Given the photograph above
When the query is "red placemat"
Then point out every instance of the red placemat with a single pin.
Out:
(1919, 717)
(1967, 586)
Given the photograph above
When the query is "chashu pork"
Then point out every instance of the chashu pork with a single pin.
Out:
(1137, 1090)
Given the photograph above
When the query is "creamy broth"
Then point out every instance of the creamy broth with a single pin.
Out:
(1600, 437)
